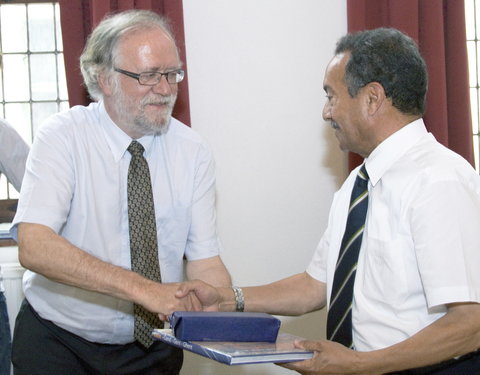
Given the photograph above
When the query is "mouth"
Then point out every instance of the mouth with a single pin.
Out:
(158, 104)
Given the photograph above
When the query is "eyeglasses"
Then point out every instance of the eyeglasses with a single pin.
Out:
(153, 78)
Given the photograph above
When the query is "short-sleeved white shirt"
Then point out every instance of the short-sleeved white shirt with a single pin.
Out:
(421, 244)
(76, 184)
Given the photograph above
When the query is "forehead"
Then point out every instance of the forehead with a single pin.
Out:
(151, 47)
(335, 72)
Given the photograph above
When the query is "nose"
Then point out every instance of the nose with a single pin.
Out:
(327, 113)
(163, 87)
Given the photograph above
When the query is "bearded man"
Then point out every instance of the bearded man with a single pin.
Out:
(75, 225)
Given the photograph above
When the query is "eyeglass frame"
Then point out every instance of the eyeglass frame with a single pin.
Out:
(137, 76)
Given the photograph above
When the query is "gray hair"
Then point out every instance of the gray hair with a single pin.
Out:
(100, 49)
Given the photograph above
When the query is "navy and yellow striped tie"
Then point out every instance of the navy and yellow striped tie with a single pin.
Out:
(339, 319)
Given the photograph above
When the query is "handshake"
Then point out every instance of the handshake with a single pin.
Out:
(195, 295)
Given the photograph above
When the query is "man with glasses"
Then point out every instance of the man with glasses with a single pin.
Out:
(75, 227)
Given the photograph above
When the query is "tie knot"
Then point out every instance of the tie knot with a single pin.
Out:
(135, 148)
(362, 173)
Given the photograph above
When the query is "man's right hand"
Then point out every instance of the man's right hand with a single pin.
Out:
(162, 299)
(208, 296)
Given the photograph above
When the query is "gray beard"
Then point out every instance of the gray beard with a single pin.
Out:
(146, 127)
(140, 123)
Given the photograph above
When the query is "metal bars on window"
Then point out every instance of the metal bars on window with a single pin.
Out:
(472, 20)
(32, 77)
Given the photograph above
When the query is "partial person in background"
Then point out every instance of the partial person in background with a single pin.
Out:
(398, 266)
(13, 156)
(116, 195)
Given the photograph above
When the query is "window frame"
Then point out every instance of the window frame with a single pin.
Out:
(34, 106)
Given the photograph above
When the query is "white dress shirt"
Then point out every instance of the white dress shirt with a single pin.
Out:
(421, 245)
(13, 155)
(76, 184)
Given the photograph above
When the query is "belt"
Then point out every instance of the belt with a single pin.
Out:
(433, 369)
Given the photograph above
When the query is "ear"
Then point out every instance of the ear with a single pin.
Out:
(374, 97)
(105, 83)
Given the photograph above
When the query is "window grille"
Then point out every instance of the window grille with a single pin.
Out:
(472, 18)
(32, 77)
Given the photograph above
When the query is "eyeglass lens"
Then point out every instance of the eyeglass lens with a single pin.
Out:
(152, 78)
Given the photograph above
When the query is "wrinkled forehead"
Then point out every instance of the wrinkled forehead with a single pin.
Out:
(154, 39)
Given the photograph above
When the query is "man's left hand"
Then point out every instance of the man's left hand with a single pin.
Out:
(329, 358)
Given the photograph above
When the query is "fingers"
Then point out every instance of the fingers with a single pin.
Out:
(187, 296)
(183, 290)
(301, 367)
(309, 344)
(205, 294)
(195, 302)
(211, 308)
(187, 287)
(187, 303)
(163, 317)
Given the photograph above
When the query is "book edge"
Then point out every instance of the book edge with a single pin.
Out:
(166, 335)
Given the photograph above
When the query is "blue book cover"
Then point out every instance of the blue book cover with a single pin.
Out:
(240, 353)
(224, 326)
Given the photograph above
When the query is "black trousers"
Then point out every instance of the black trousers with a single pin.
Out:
(468, 364)
(42, 348)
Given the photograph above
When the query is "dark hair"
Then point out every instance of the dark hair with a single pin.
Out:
(391, 58)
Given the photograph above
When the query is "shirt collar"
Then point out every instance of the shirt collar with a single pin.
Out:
(392, 148)
(117, 140)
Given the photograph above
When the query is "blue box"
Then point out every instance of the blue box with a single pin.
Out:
(224, 326)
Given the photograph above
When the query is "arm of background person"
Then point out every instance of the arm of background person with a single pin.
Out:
(455, 334)
(13, 154)
(43, 251)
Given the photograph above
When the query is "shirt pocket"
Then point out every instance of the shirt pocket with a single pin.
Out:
(385, 277)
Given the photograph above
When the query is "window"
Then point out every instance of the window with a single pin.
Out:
(472, 18)
(32, 78)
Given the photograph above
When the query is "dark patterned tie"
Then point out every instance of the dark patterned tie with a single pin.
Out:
(143, 237)
(339, 319)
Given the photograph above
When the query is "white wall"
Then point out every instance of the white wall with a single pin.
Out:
(255, 79)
